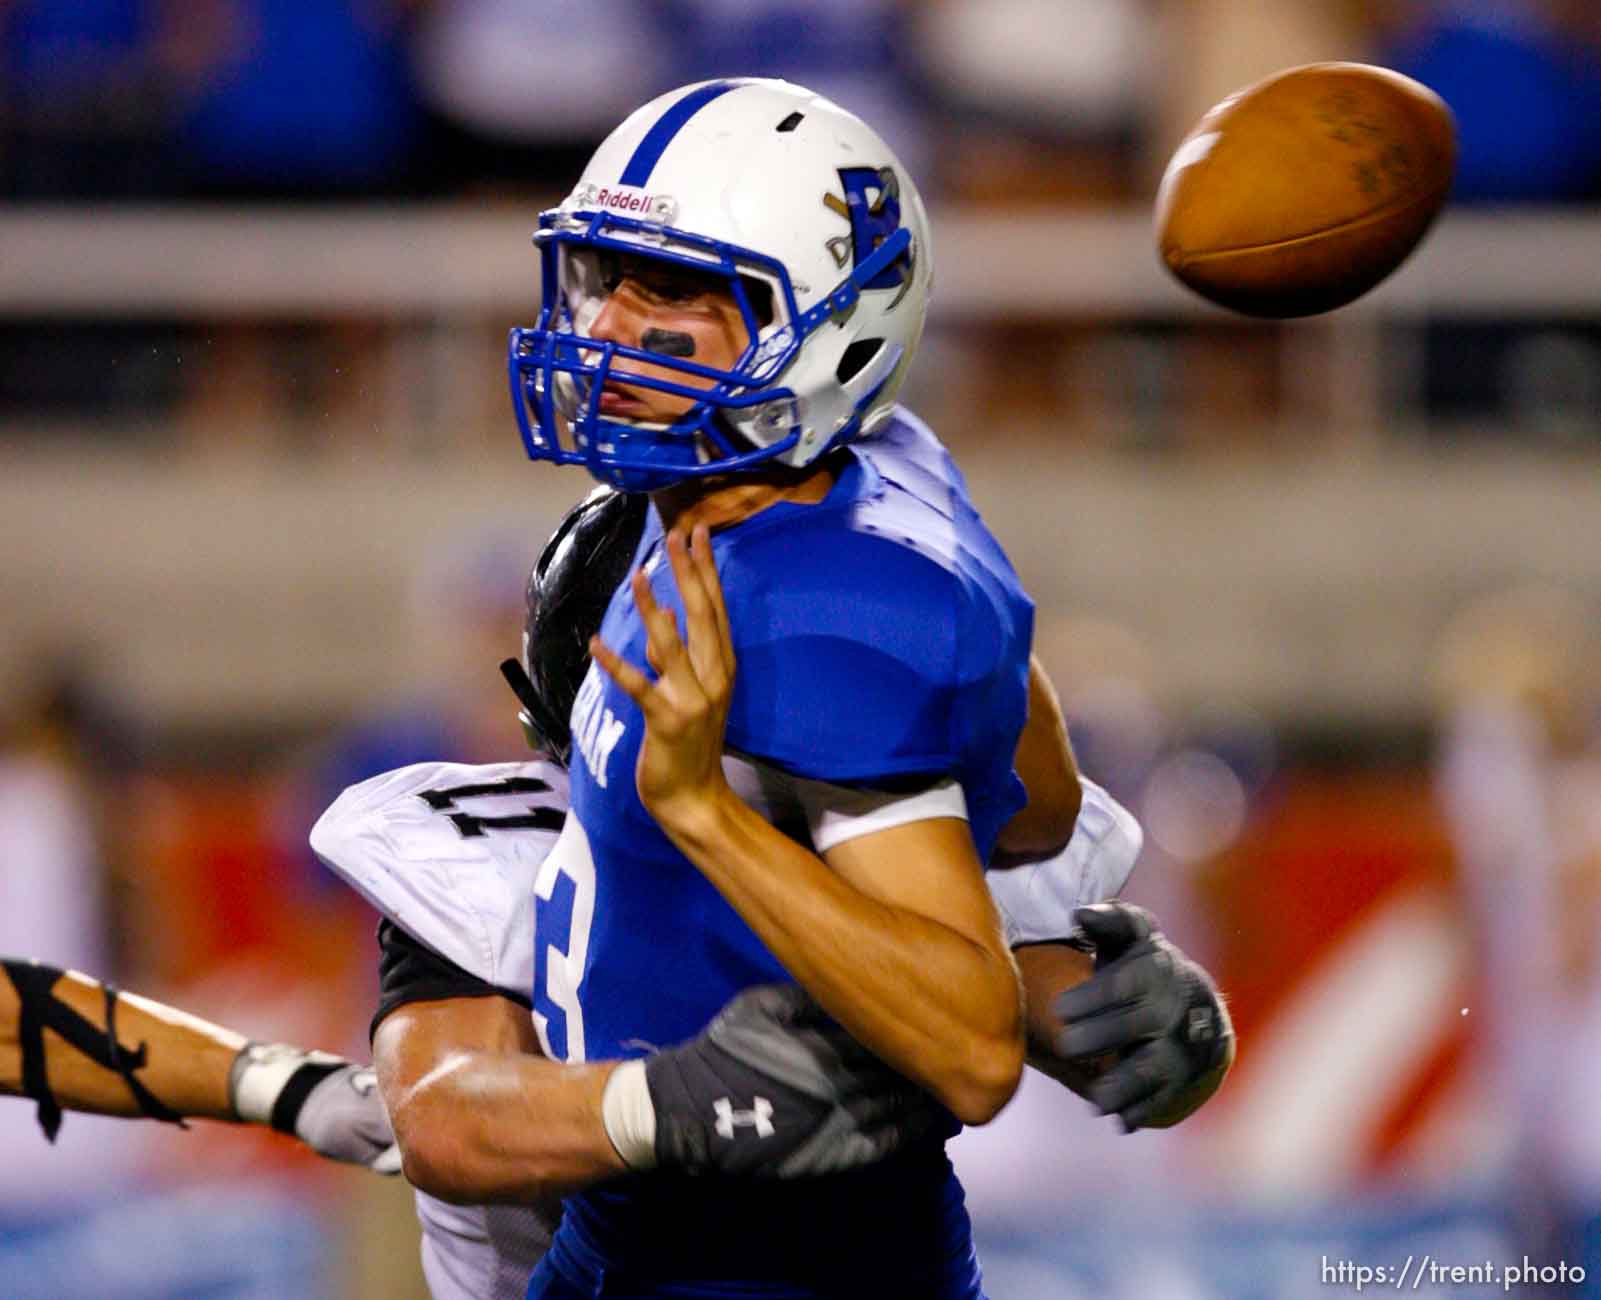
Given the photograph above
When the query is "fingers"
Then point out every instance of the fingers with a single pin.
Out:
(664, 652)
(1114, 927)
(633, 682)
(700, 625)
(704, 667)
(1136, 975)
(1144, 1113)
(892, 1120)
(893, 1099)
(1113, 1029)
(713, 585)
(662, 646)
(705, 614)
(786, 1005)
(1135, 1078)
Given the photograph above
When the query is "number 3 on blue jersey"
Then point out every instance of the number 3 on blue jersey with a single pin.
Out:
(564, 911)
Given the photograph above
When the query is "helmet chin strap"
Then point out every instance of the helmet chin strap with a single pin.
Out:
(517, 678)
(668, 343)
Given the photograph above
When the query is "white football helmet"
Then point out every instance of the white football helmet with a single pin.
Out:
(822, 238)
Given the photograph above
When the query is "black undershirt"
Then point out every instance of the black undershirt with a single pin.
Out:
(409, 971)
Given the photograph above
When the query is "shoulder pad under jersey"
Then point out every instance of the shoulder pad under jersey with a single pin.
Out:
(449, 852)
(906, 452)
(866, 654)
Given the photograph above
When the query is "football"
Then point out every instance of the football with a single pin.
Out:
(1300, 193)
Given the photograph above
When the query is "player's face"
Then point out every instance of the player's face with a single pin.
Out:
(697, 312)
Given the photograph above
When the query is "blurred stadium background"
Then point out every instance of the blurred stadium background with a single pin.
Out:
(1322, 597)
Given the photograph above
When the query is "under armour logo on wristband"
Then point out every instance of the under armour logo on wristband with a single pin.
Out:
(758, 1117)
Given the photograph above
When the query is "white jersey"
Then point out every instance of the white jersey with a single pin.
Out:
(420, 845)
(470, 898)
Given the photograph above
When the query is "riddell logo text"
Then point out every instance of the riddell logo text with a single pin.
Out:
(623, 200)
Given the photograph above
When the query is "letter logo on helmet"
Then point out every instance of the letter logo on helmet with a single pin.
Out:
(831, 326)
(872, 204)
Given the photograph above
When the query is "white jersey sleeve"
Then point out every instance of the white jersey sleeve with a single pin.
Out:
(449, 852)
(1037, 900)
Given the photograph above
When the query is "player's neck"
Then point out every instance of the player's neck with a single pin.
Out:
(721, 503)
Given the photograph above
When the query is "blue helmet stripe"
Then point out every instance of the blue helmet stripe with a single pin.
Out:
(656, 140)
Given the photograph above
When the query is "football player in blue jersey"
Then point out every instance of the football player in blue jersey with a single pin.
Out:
(807, 781)
(450, 856)
(733, 293)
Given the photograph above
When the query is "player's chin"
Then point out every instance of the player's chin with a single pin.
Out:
(619, 402)
(641, 406)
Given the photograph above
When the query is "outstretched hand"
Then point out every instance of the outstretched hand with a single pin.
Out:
(680, 771)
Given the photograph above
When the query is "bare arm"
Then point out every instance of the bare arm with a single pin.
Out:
(482, 1117)
(1044, 761)
(71, 1043)
(1048, 969)
(894, 934)
(187, 1060)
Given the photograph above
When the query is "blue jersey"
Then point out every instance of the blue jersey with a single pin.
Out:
(882, 640)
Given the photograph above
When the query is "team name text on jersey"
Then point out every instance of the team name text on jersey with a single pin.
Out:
(596, 730)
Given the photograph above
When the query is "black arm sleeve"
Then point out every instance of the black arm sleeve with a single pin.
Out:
(409, 971)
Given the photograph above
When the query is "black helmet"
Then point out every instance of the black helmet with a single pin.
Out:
(569, 587)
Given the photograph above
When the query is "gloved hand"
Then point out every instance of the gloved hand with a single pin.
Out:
(773, 1088)
(329, 1103)
(1152, 1007)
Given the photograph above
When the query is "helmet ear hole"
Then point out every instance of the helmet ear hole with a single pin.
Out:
(858, 356)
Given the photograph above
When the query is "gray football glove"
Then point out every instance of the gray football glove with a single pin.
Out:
(327, 1102)
(773, 1088)
(1152, 1007)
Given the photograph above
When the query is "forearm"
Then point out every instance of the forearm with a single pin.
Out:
(1048, 969)
(487, 1122)
(186, 1059)
(939, 1006)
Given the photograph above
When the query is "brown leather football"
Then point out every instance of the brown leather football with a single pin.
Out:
(1302, 192)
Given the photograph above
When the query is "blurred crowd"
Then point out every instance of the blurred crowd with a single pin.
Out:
(1006, 100)
(1009, 105)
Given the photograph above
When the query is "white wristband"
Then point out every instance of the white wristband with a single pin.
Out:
(629, 1116)
(260, 1072)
